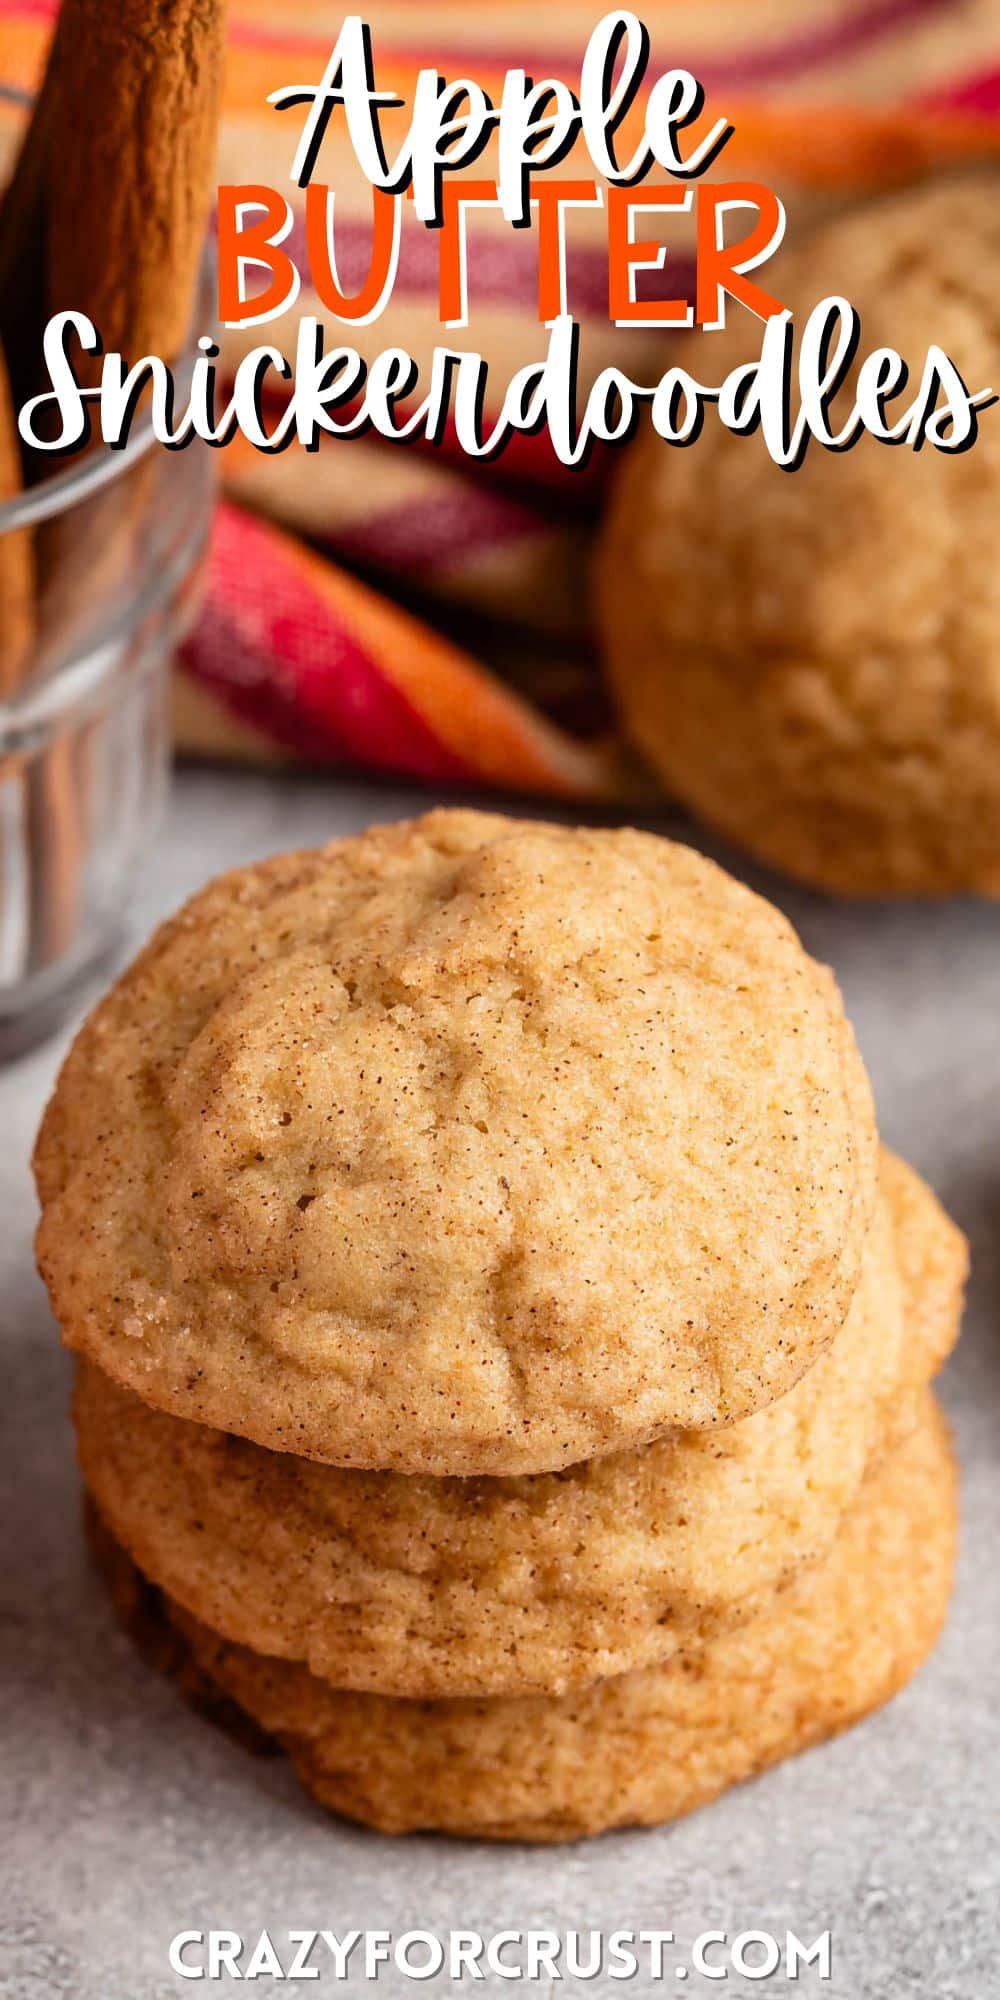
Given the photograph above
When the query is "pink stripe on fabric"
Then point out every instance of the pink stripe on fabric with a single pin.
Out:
(439, 532)
(774, 62)
(799, 52)
(30, 10)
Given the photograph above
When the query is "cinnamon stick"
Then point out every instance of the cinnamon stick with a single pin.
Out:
(131, 168)
(47, 792)
(17, 568)
(23, 220)
(131, 141)
(105, 212)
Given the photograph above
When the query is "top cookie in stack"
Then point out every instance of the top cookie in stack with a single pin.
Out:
(466, 1146)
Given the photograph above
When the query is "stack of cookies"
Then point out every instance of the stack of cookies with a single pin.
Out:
(504, 1352)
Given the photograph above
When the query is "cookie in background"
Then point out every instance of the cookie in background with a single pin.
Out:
(812, 662)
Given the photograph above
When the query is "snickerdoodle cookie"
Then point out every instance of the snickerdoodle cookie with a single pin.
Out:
(812, 660)
(464, 1146)
(428, 1587)
(648, 1746)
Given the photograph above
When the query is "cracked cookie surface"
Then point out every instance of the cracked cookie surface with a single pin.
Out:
(467, 1145)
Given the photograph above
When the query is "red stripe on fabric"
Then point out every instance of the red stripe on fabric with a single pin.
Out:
(979, 94)
(274, 652)
(530, 464)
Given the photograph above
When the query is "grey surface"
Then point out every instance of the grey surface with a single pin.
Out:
(127, 1818)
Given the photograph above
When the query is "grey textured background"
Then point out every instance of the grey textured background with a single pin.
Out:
(127, 1818)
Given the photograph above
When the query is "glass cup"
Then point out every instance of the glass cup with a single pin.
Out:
(112, 547)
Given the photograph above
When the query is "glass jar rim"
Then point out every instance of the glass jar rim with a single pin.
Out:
(98, 465)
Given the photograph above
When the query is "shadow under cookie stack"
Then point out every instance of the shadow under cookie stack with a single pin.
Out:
(504, 1353)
